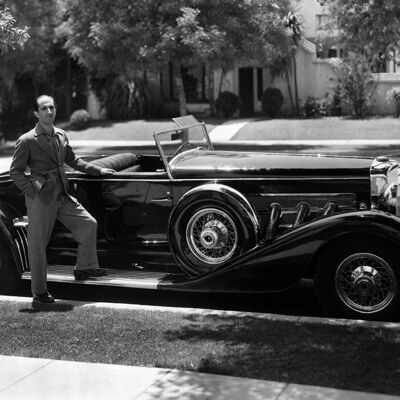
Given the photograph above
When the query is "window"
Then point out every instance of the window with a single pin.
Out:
(332, 53)
(323, 21)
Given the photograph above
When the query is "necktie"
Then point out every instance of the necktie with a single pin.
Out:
(56, 146)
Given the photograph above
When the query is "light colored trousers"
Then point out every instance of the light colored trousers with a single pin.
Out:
(42, 218)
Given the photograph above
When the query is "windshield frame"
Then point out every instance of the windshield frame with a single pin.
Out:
(182, 132)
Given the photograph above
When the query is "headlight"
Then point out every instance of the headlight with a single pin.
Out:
(384, 185)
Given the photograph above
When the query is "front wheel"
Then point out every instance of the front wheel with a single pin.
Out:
(206, 234)
(358, 281)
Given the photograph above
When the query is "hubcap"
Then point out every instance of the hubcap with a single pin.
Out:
(365, 282)
(212, 236)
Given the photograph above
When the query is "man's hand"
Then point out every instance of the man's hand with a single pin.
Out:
(107, 172)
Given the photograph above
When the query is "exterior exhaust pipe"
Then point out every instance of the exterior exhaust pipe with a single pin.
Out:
(276, 212)
(330, 208)
(303, 209)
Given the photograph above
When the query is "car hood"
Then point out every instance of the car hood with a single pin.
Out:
(229, 164)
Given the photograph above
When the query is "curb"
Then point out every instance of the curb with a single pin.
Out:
(354, 323)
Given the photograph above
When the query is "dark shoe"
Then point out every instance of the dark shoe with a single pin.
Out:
(81, 275)
(43, 298)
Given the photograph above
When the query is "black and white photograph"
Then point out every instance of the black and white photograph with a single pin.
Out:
(199, 199)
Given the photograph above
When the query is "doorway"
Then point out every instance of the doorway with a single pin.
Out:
(246, 92)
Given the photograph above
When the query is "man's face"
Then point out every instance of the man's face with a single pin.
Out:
(46, 113)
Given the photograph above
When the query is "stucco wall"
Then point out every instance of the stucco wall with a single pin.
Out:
(315, 77)
(385, 82)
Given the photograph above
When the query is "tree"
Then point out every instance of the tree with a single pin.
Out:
(41, 17)
(356, 84)
(180, 40)
(123, 37)
(10, 35)
(294, 23)
(368, 27)
(105, 37)
(253, 30)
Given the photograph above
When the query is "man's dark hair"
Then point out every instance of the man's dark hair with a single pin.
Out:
(36, 103)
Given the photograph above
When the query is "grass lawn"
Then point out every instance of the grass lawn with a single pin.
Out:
(353, 357)
(321, 128)
(257, 129)
(128, 130)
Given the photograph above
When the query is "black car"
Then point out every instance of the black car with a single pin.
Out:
(192, 218)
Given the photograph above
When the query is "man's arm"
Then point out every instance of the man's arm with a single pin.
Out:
(18, 167)
(83, 166)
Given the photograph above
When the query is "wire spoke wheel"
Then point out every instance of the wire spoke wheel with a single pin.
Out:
(365, 283)
(212, 235)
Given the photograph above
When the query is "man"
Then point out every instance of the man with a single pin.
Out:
(45, 149)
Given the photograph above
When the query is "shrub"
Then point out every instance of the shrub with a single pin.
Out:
(227, 104)
(356, 84)
(313, 107)
(79, 119)
(272, 101)
(336, 104)
(393, 98)
(125, 98)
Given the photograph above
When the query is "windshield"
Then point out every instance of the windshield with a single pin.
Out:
(189, 134)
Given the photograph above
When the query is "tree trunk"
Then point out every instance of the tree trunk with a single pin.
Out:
(221, 81)
(289, 88)
(210, 89)
(181, 90)
(296, 94)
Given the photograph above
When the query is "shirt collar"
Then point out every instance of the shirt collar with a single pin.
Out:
(39, 130)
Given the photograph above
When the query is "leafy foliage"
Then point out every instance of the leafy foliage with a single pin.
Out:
(272, 101)
(10, 35)
(125, 99)
(356, 83)
(123, 37)
(42, 18)
(79, 119)
(368, 27)
(227, 104)
(313, 107)
(393, 98)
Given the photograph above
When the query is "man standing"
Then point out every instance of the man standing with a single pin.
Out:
(45, 149)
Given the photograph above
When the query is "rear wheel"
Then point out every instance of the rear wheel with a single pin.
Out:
(358, 280)
(9, 278)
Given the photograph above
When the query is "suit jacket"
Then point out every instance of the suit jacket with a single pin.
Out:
(46, 163)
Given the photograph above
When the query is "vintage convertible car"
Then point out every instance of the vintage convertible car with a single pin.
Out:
(191, 218)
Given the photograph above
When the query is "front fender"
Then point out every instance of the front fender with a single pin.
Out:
(279, 263)
(221, 192)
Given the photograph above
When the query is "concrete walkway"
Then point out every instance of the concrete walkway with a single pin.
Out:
(44, 379)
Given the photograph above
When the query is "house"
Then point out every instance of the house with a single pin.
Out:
(317, 57)
(318, 54)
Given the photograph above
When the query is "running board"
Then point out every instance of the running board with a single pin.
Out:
(121, 278)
